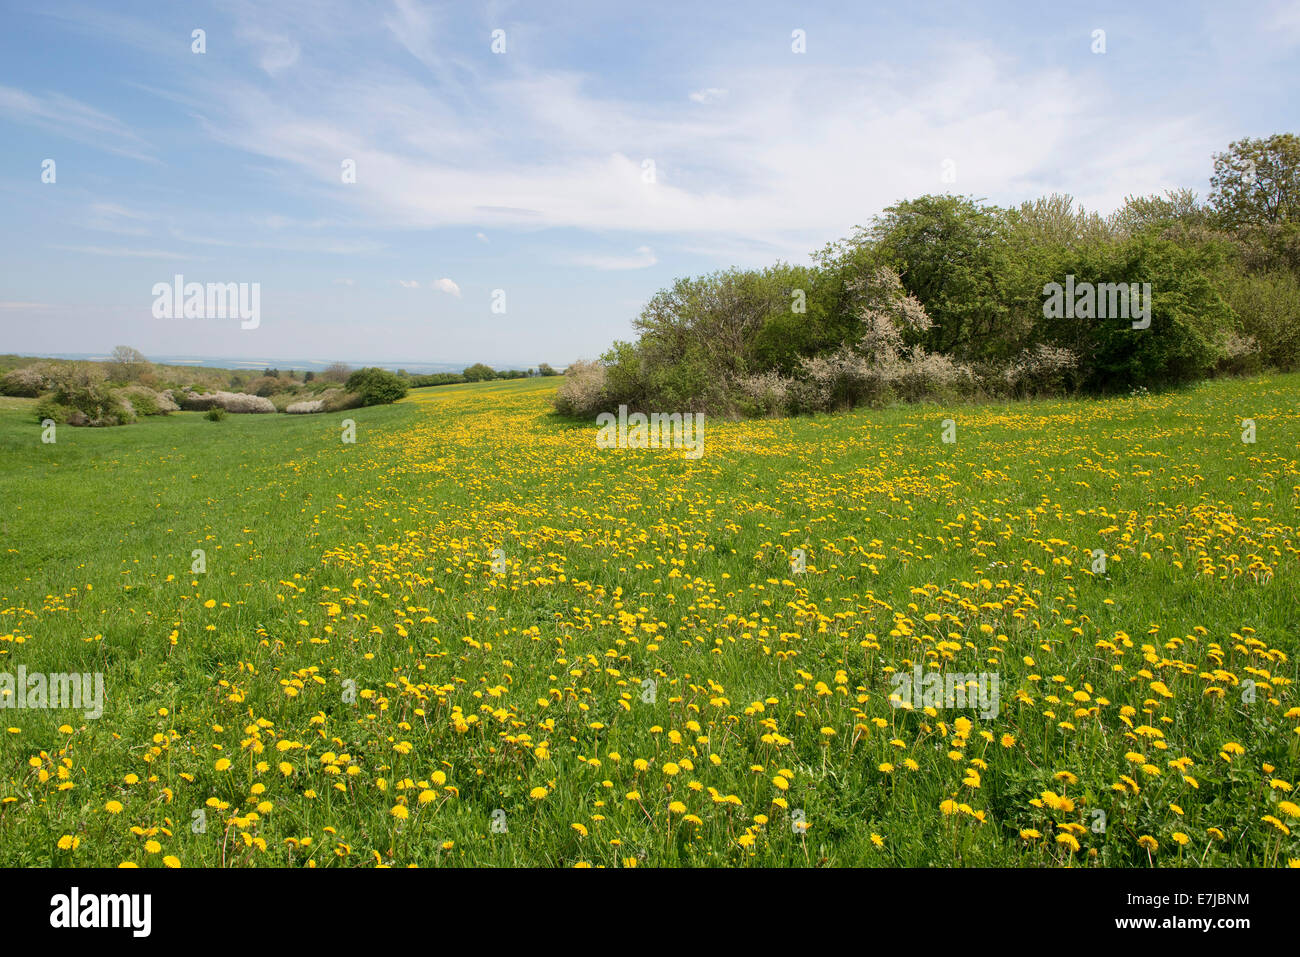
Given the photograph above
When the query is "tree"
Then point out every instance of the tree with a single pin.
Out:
(1257, 181)
(479, 372)
(953, 254)
(336, 372)
(376, 386)
(1176, 207)
(545, 368)
(126, 364)
(1190, 325)
(1056, 220)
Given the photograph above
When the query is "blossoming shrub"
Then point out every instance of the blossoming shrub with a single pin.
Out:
(80, 396)
(28, 382)
(582, 392)
(1040, 370)
(242, 402)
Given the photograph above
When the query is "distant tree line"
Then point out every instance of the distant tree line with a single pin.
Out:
(478, 372)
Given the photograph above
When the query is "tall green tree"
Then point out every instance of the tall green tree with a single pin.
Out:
(953, 254)
(1257, 181)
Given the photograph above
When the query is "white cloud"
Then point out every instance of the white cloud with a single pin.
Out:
(447, 286)
(482, 238)
(1286, 20)
(279, 55)
(641, 259)
(409, 283)
(796, 160)
(708, 95)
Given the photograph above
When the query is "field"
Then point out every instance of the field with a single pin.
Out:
(473, 638)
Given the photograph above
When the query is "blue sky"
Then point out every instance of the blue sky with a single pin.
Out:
(525, 171)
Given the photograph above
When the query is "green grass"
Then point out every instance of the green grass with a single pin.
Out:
(370, 566)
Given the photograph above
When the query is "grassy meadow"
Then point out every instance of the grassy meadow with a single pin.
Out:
(474, 638)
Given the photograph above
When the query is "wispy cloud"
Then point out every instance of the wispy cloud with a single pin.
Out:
(124, 252)
(62, 115)
(114, 218)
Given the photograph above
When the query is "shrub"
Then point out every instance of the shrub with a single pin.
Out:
(1189, 322)
(1039, 371)
(582, 393)
(28, 382)
(148, 402)
(198, 402)
(243, 403)
(337, 400)
(215, 414)
(766, 394)
(305, 407)
(265, 386)
(929, 376)
(840, 380)
(236, 402)
(376, 386)
(49, 408)
(1268, 307)
(80, 387)
(1240, 356)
